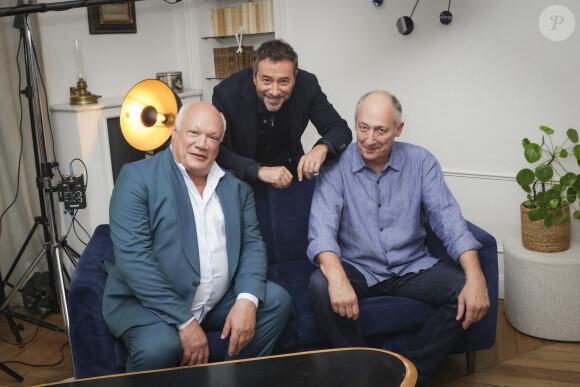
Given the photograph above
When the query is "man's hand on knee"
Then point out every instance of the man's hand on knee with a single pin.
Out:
(343, 299)
(194, 344)
(241, 324)
(342, 295)
(473, 301)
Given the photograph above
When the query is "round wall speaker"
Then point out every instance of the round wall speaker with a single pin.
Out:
(446, 17)
(405, 25)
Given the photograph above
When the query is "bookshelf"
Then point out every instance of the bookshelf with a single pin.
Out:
(268, 34)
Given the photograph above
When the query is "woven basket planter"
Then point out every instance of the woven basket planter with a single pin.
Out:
(537, 237)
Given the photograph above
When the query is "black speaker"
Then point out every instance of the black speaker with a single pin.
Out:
(405, 25)
(446, 17)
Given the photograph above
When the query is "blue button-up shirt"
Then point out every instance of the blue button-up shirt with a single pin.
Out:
(375, 222)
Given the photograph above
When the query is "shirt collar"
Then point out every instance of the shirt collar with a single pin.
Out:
(395, 160)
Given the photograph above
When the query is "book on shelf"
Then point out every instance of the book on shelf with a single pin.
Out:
(237, 19)
(220, 57)
(228, 61)
(214, 21)
(248, 58)
(265, 15)
(218, 22)
(228, 21)
(254, 17)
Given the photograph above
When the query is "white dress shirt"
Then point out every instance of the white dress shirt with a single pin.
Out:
(211, 240)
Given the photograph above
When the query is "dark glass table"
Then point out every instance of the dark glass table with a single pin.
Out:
(358, 367)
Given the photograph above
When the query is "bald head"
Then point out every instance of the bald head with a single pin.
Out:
(198, 132)
(195, 108)
(376, 127)
(385, 97)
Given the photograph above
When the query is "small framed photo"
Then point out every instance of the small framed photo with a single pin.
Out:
(116, 18)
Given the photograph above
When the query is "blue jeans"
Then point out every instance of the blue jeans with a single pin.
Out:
(438, 286)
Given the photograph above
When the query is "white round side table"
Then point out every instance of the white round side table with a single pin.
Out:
(542, 291)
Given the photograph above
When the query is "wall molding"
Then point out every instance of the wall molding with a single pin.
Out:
(479, 175)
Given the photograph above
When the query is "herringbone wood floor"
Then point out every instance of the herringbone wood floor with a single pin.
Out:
(515, 360)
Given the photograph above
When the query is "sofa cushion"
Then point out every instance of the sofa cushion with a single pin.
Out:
(88, 332)
(283, 216)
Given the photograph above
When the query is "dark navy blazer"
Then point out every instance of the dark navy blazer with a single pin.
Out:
(237, 99)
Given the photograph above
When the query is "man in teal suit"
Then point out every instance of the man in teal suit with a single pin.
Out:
(189, 255)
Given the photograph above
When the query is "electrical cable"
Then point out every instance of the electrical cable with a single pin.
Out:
(24, 341)
(72, 6)
(72, 213)
(47, 110)
(77, 235)
(39, 365)
(84, 166)
(414, 8)
(21, 138)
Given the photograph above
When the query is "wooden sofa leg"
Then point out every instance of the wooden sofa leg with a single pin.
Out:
(470, 357)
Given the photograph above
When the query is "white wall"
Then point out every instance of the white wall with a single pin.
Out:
(116, 62)
(470, 90)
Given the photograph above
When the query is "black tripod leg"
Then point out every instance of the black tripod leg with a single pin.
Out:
(15, 328)
(70, 251)
(11, 373)
(37, 221)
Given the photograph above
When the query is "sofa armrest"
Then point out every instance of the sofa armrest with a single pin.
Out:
(92, 344)
(482, 334)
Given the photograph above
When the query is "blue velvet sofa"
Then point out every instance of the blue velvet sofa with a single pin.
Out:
(387, 322)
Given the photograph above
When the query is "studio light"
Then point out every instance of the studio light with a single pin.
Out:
(148, 114)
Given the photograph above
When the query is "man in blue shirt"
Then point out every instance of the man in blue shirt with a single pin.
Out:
(366, 233)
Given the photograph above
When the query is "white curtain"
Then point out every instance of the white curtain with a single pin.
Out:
(17, 162)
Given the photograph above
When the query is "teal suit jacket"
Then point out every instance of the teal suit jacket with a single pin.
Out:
(157, 268)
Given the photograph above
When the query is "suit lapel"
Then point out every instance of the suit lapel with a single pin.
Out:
(184, 211)
(228, 202)
(293, 108)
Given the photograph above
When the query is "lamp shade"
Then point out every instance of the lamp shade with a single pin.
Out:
(148, 114)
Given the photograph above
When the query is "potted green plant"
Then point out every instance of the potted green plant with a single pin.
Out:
(551, 189)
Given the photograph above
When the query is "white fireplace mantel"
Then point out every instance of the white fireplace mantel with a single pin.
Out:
(81, 132)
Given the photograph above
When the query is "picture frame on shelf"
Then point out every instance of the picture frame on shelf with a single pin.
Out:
(112, 19)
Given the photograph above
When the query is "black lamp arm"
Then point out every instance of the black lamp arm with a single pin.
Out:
(58, 6)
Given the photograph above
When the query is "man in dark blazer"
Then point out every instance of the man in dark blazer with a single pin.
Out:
(189, 255)
(267, 109)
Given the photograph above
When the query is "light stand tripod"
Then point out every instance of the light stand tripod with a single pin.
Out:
(44, 176)
(47, 219)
